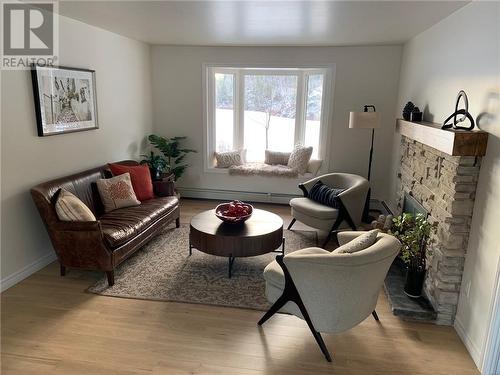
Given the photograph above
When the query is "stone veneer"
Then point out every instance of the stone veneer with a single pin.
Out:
(445, 185)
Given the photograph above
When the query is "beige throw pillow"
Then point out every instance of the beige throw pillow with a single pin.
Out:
(70, 208)
(229, 158)
(117, 192)
(277, 157)
(361, 242)
(299, 158)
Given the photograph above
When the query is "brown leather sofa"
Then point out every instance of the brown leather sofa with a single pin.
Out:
(105, 243)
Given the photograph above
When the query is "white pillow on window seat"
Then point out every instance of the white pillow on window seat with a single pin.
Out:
(299, 158)
(314, 166)
(229, 158)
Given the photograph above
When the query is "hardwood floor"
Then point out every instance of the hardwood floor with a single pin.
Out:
(51, 326)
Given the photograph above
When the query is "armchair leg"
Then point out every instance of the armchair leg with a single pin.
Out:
(111, 277)
(291, 223)
(291, 294)
(63, 270)
(177, 222)
(280, 302)
(375, 316)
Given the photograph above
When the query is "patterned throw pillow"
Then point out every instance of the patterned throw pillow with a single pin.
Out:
(117, 192)
(276, 157)
(325, 194)
(299, 158)
(229, 158)
(70, 208)
(361, 242)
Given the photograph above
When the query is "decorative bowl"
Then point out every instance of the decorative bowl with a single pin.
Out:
(221, 213)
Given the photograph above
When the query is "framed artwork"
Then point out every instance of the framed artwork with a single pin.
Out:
(65, 99)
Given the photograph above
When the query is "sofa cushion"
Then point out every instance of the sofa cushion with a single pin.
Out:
(120, 226)
(140, 177)
(314, 209)
(117, 192)
(70, 208)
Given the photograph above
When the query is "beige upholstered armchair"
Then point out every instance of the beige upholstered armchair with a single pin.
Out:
(332, 292)
(326, 218)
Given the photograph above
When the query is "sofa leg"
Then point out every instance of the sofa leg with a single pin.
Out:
(62, 270)
(111, 277)
(178, 222)
(291, 224)
(375, 316)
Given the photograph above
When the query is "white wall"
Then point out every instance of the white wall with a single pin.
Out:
(123, 80)
(462, 53)
(364, 75)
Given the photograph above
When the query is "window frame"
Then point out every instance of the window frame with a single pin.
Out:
(239, 71)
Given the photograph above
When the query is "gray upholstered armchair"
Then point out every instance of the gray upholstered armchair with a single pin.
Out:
(332, 292)
(326, 218)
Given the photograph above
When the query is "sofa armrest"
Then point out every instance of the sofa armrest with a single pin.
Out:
(77, 226)
(81, 244)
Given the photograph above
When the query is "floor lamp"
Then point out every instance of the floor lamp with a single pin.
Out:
(366, 120)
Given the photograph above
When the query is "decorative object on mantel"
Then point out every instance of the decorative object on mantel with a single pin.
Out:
(407, 110)
(414, 233)
(366, 120)
(416, 115)
(65, 99)
(464, 112)
(170, 148)
(450, 141)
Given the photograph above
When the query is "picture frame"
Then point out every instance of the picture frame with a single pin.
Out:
(65, 99)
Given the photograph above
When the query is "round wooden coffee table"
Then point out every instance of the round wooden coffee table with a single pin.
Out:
(261, 234)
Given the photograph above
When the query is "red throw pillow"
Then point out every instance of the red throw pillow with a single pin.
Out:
(140, 176)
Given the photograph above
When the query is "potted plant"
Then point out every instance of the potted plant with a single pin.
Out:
(173, 153)
(414, 233)
(156, 164)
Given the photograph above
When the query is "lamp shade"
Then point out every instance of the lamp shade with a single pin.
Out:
(364, 120)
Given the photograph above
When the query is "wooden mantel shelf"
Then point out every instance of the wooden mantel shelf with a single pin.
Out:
(449, 141)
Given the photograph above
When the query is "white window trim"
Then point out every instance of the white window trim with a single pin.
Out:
(209, 114)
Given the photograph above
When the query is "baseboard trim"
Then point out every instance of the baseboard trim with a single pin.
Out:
(218, 194)
(26, 271)
(474, 352)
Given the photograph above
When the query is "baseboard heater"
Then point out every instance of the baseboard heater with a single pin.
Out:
(248, 196)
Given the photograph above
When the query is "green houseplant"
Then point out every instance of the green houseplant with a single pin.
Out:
(414, 233)
(173, 153)
(156, 164)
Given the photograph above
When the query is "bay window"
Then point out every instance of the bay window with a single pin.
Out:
(259, 108)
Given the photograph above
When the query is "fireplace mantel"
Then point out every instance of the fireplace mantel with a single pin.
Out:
(449, 141)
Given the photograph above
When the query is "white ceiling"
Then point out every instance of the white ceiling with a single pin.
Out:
(263, 22)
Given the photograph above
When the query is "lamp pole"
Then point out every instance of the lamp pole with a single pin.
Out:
(371, 148)
(367, 218)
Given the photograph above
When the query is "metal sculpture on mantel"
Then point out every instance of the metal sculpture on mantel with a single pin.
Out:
(463, 112)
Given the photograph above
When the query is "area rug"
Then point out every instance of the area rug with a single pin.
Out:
(163, 271)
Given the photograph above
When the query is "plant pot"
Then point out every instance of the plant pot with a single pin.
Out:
(414, 282)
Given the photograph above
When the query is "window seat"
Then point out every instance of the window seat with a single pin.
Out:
(263, 169)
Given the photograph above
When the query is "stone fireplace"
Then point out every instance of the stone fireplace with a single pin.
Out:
(445, 186)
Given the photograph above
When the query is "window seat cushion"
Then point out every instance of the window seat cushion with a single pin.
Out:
(262, 169)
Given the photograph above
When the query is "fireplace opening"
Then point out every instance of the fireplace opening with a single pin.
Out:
(412, 206)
